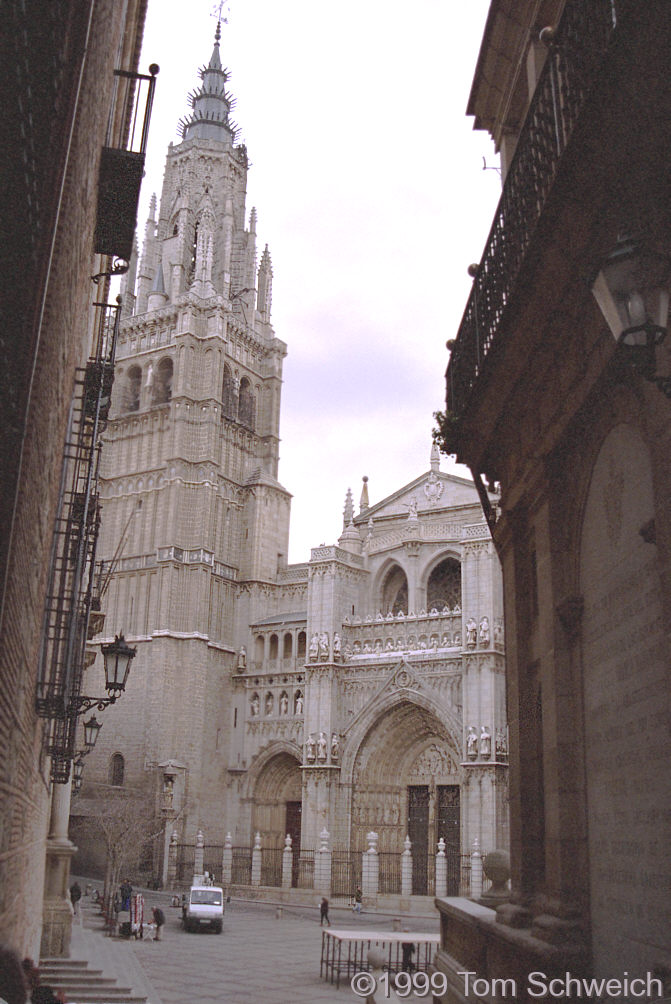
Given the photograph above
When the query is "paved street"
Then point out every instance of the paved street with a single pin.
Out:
(258, 957)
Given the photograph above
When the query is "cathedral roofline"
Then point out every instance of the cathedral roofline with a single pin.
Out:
(454, 479)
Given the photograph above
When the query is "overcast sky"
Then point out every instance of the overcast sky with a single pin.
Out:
(369, 184)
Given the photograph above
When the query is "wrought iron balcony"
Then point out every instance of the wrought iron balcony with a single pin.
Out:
(574, 62)
(122, 162)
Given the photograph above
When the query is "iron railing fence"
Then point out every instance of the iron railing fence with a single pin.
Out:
(573, 65)
(345, 874)
(389, 873)
(271, 866)
(241, 870)
(306, 870)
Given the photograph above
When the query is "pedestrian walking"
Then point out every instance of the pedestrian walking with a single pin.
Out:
(324, 912)
(75, 896)
(159, 920)
(358, 897)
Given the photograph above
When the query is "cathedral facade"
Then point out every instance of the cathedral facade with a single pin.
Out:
(362, 690)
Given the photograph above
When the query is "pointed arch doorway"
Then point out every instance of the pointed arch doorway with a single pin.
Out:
(407, 780)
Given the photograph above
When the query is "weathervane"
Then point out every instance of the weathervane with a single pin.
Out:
(217, 10)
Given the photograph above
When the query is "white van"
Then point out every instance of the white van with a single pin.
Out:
(204, 908)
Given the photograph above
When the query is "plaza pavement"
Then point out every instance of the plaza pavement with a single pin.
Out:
(260, 957)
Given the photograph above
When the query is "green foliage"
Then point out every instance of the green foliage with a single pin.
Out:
(446, 432)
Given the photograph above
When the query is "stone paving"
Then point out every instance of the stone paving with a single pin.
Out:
(259, 957)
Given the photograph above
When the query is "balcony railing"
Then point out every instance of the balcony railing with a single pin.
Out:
(573, 64)
(122, 162)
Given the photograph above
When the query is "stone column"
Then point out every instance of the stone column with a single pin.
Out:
(406, 868)
(287, 863)
(172, 860)
(441, 870)
(198, 859)
(256, 860)
(323, 865)
(227, 861)
(476, 871)
(370, 867)
(57, 908)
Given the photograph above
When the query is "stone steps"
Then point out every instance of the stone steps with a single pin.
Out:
(81, 984)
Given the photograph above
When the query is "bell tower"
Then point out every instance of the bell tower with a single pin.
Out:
(194, 518)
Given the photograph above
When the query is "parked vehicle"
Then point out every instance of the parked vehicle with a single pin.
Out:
(204, 908)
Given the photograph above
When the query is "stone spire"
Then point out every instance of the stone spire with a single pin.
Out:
(435, 458)
(348, 511)
(147, 265)
(210, 102)
(363, 501)
(264, 296)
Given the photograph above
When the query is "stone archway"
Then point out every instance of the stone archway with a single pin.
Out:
(276, 801)
(406, 780)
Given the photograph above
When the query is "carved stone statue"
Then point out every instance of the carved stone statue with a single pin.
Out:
(314, 647)
(321, 746)
(336, 647)
(269, 704)
(310, 748)
(485, 743)
(242, 659)
(335, 746)
(284, 703)
(254, 706)
(323, 647)
(484, 631)
(472, 743)
(471, 633)
(298, 703)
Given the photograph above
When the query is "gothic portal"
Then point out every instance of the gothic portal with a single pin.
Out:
(360, 690)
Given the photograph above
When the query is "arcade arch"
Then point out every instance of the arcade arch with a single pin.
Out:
(276, 801)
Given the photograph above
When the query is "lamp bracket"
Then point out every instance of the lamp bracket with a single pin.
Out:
(80, 705)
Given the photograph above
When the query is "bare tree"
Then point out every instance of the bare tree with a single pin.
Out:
(124, 824)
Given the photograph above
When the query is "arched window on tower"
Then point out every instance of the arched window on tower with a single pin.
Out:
(194, 252)
(300, 651)
(133, 388)
(246, 404)
(163, 382)
(395, 592)
(116, 770)
(228, 395)
(274, 644)
(444, 586)
(288, 646)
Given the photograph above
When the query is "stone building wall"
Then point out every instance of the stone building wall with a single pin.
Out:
(47, 336)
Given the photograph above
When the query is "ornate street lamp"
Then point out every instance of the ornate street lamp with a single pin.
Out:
(118, 657)
(77, 770)
(91, 730)
(632, 291)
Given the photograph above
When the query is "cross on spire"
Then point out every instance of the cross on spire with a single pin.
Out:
(217, 10)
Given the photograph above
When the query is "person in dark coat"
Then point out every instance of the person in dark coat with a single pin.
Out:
(126, 891)
(75, 896)
(324, 912)
(13, 987)
(159, 920)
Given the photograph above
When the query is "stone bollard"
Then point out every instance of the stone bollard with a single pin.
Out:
(370, 867)
(200, 854)
(441, 870)
(227, 861)
(256, 860)
(287, 863)
(172, 859)
(476, 870)
(323, 865)
(406, 868)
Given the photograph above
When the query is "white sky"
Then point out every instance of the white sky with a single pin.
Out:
(371, 194)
